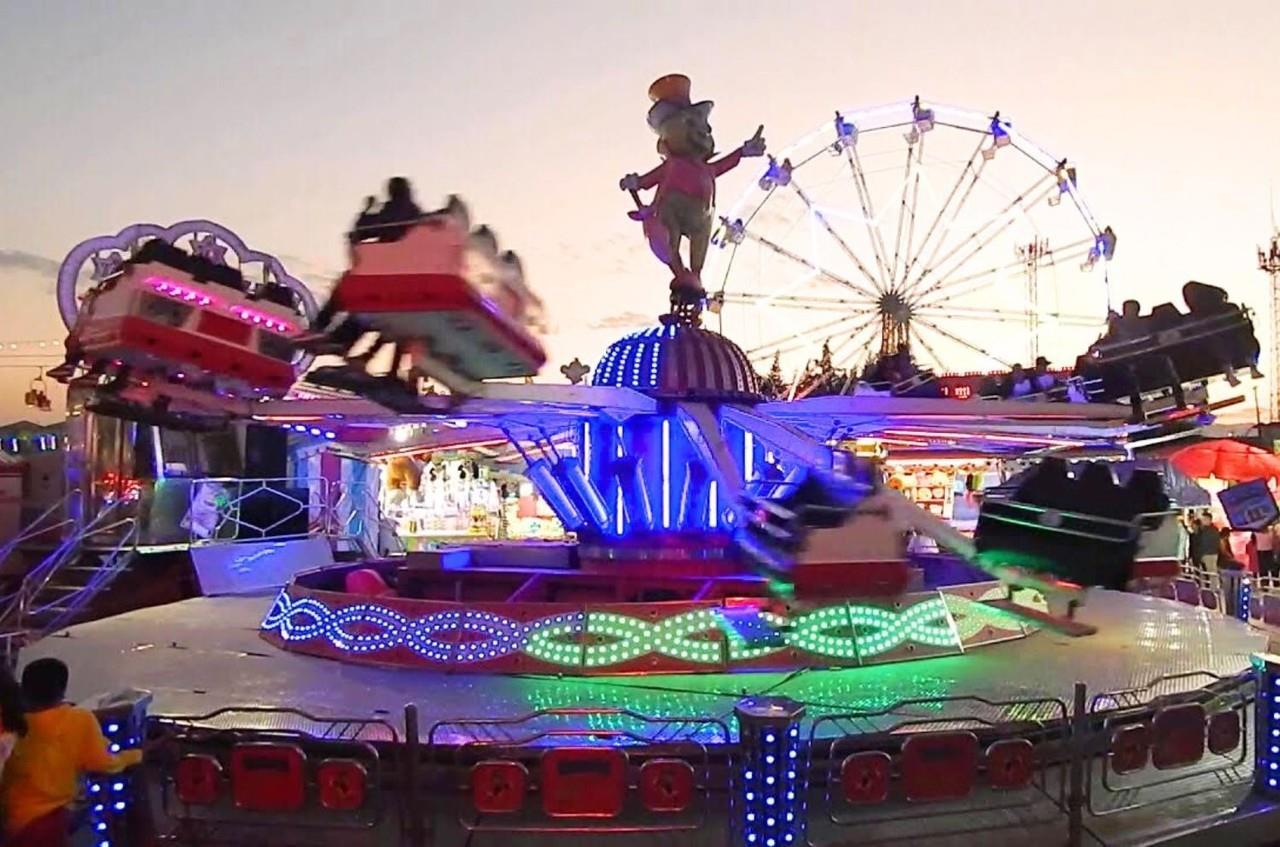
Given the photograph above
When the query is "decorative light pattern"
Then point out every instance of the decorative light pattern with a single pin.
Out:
(666, 473)
(1244, 598)
(773, 778)
(1266, 773)
(601, 639)
(169, 288)
(109, 794)
(634, 361)
(261, 319)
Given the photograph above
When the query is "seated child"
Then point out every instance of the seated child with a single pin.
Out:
(42, 778)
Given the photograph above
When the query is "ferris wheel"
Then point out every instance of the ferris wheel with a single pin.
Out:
(917, 226)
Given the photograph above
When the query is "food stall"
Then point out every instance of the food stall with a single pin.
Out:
(447, 496)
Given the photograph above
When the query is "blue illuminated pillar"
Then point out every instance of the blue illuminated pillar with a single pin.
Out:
(771, 811)
(111, 796)
(1266, 742)
(1244, 596)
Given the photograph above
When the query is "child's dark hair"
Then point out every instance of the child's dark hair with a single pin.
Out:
(44, 683)
(13, 714)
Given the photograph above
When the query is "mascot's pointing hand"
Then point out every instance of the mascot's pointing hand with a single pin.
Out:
(755, 145)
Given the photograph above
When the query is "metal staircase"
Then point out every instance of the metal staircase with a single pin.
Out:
(55, 592)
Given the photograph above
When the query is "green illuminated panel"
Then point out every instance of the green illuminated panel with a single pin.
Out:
(846, 632)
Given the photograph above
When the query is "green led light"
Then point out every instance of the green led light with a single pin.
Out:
(846, 632)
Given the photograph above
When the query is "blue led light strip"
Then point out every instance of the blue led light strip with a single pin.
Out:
(109, 795)
(772, 808)
(666, 473)
(1266, 708)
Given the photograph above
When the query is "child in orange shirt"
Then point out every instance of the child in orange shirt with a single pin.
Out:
(62, 743)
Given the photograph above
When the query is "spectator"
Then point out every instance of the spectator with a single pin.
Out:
(1265, 543)
(42, 777)
(1128, 324)
(1205, 543)
(1230, 571)
(13, 719)
(1018, 383)
(1042, 381)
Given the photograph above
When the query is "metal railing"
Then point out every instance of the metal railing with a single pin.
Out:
(226, 510)
(53, 519)
(947, 767)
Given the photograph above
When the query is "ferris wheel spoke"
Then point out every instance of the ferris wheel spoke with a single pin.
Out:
(868, 208)
(853, 372)
(799, 340)
(848, 343)
(902, 208)
(837, 354)
(915, 333)
(952, 288)
(1005, 315)
(958, 340)
(915, 204)
(800, 301)
(878, 283)
(981, 236)
(816, 346)
(937, 219)
(811, 265)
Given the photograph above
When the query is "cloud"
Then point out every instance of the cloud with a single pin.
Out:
(624, 320)
(23, 261)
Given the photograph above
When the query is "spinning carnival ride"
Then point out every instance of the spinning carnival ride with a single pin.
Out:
(716, 531)
(930, 228)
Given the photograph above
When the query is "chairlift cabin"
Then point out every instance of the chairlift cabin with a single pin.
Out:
(447, 294)
(169, 315)
(1216, 337)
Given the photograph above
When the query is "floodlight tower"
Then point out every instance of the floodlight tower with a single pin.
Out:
(1269, 263)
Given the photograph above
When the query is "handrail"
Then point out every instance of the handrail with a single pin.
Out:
(114, 562)
(43, 572)
(1106, 352)
(33, 528)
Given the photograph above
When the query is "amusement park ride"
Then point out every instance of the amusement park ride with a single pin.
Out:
(716, 529)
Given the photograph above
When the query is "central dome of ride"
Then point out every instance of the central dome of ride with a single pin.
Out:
(679, 362)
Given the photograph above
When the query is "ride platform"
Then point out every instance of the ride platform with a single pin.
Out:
(215, 682)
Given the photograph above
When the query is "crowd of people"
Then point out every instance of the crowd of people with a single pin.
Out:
(1020, 382)
(46, 747)
(1214, 554)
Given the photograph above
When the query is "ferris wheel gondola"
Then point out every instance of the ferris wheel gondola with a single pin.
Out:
(915, 227)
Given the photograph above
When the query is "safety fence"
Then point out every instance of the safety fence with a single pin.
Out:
(225, 510)
(1099, 769)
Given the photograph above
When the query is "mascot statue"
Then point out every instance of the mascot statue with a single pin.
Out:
(685, 185)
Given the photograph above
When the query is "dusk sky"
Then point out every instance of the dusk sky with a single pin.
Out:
(277, 118)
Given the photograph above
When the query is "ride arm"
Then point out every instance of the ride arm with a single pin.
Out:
(908, 514)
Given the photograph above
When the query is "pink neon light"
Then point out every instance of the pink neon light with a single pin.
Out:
(179, 292)
(259, 319)
(169, 288)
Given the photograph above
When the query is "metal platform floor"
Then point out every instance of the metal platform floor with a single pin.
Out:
(201, 655)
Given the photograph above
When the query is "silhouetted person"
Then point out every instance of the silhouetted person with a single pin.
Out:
(1047, 486)
(1209, 301)
(1128, 325)
(1041, 380)
(1097, 494)
(1018, 383)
